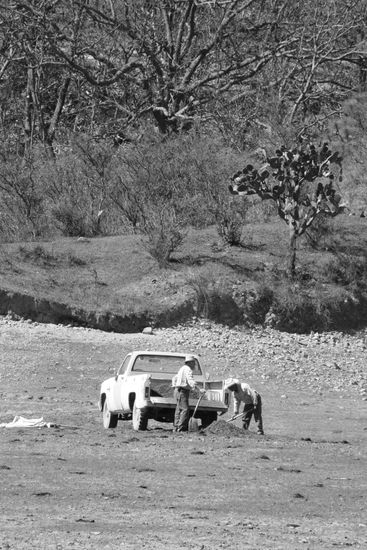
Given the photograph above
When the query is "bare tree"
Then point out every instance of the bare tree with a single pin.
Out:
(32, 80)
(301, 89)
(102, 65)
(320, 73)
(169, 58)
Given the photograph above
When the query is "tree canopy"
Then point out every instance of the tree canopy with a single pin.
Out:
(103, 66)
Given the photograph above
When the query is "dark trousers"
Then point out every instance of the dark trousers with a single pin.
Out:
(182, 412)
(250, 410)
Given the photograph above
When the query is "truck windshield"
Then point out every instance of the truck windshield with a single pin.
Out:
(161, 363)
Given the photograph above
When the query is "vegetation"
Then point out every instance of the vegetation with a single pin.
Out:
(301, 183)
(116, 276)
(127, 118)
(103, 67)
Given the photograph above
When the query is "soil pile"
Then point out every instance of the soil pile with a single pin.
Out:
(161, 388)
(221, 427)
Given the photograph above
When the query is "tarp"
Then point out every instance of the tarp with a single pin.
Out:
(21, 422)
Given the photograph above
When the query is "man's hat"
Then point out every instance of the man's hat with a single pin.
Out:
(190, 359)
(230, 382)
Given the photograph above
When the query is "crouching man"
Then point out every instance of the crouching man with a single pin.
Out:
(243, 393)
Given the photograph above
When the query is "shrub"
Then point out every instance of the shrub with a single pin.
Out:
(78, 188)
(21, 198)
(199, 282)
(91, 188)
(184, 173)
(254, 301)
(319, 235)
(76, 221)
(348, 270)
(231, 217)
(212, 287)
(297, 310)
(230, 229)
(164, 235)
(70, 220)
(303, 308)
(39, 255)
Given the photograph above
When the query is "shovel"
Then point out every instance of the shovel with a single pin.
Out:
(193, 422)
(234, 417)
(239, 414)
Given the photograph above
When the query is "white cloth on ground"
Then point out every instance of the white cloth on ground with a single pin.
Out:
(21, 422)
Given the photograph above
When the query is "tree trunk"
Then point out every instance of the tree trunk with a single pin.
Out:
(292, 250)
(28, 118)
(51, 129)
(34, 120)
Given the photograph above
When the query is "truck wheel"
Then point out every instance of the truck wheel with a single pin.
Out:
(109, 419)
(140, 419)
(208, 419)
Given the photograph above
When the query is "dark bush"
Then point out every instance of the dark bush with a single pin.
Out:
(254, 302)
(75, 221)
(162, 241)
(213, 298)
(303, 309)
(39, 255)
(348, 270)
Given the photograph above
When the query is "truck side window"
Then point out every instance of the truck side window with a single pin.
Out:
(124, 364)
(196, 369)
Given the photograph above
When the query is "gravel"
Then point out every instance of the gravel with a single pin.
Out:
(315, 362)
(331, 361)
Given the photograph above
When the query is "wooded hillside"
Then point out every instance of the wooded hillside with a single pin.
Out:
(106, 67)
(132, 116)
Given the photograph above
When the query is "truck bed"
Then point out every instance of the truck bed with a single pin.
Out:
(161, 393)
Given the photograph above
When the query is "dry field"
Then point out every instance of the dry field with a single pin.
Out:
(301, 486)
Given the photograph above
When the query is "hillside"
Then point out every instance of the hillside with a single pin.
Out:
(114, 284)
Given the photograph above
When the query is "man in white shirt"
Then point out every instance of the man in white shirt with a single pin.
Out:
(243, 393)
(183, 382)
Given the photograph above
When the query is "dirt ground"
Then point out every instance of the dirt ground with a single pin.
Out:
(78, 486)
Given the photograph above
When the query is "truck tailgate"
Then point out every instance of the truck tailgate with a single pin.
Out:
(161, 393)
(205, 404)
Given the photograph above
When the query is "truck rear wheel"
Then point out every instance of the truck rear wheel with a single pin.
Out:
(109, 419)
(140, 418)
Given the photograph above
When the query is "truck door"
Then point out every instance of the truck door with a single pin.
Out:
(120, 380)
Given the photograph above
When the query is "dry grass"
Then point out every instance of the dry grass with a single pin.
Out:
(117, 274)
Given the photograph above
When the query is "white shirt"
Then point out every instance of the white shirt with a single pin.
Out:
(184, 378)
(244, 393)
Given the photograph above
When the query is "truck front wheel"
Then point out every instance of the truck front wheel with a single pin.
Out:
(109, 419)
(140, 418)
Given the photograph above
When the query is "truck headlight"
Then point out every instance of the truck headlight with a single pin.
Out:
(147, 392)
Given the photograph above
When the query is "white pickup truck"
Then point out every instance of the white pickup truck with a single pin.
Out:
(142, 389)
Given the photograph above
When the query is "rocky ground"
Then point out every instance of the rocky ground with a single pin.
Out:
(78, 486)
(332, 361)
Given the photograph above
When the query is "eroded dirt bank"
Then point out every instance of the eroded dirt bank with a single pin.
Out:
(301, 486)
(25, 306)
